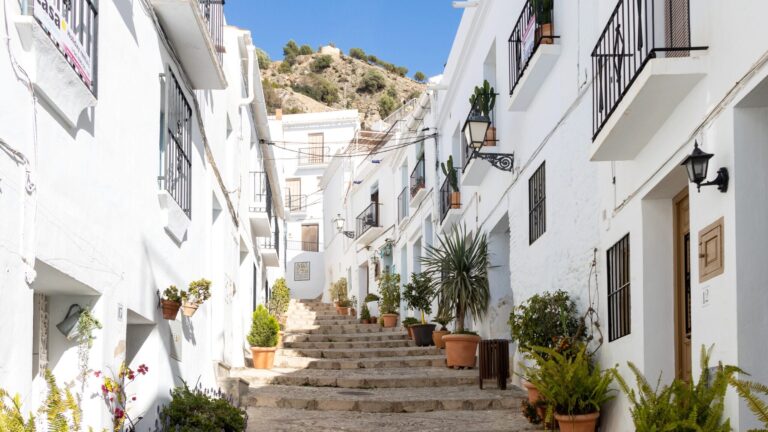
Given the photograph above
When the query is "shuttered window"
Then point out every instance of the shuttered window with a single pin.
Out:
(619, 300)
(537, 208)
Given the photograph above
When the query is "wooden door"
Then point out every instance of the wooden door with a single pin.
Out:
(682, 286)
(310, 238)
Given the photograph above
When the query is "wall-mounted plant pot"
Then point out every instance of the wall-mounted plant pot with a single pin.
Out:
(490, 137)
(461, 350)
(437, 338)
(389, 320)
(170, 309)
(342, 310)
(422, 334)
(455, 200)
(577, 423)
(189, 309)
(544, 31)
(263, 358)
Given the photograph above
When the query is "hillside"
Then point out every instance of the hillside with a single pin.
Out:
(331, 81)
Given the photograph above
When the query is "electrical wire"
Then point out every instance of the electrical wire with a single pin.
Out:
(384, 149)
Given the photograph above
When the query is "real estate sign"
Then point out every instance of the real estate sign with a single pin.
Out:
(53, 20)
(528, 38)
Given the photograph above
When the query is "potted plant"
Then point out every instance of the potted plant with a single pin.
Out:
(353, 306)
(365, 315)
(418, 294)
(389, 304)
(543, 12)
(459, 262)
(372, 300)
(453, 180)
(343, 306)
(483, 100)
(199, 291)
(542, 321)
(339, 295)
(573, 387)
(171, 302)
(263, 338)
(443, 318)
(408, 323)
(374, 319)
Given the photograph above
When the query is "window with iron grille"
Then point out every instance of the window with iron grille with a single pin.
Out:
(176, 145)
(537, 208)
(619, 301)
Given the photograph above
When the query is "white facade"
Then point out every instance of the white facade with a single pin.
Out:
(91, 213)
(599, 187)
(303, 145)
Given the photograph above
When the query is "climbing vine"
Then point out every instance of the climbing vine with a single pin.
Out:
(86, 325)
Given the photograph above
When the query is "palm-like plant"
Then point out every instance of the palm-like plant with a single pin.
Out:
(749, 391)
(458, 265)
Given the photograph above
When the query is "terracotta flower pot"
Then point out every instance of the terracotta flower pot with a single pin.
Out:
(189, 309)
(544, 31)
(170, 309)
(365, 321)
(410, 332)
(390, 320)
(490, 137)
(374, 320)
(461, 349)
(263, 358)
(352, 312)
(437, 338)
(342, 310)
(422, 334)
(455, 200)
(533, 398)
(577, 423)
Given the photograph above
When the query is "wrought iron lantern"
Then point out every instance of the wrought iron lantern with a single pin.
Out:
(475, 129)
(339, 222)
(697, 165)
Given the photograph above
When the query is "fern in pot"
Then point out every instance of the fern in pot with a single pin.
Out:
(418, 294)
(458, 265)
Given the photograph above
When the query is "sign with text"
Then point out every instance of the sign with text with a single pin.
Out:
(301, 271)
(54, 21)
(528, 39)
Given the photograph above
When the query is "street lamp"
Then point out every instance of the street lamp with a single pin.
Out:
(339, 222)
(476, 128)
(697, 164)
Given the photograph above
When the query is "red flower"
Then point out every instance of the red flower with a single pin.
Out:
(103, 388)
(119, 413)
(133, 398)
(143, 369)
(97, 373)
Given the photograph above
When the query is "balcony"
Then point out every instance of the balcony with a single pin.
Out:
(402, 206)
(260, 205)
(450, 207)
(368, 224)
(475, 169)
(295, 204)
(418, 183)
(313, 157)
(196, 30)
(532, 55)
(643, 66)
(270, 248)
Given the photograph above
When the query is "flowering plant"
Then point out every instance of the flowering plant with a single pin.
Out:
(115, 395)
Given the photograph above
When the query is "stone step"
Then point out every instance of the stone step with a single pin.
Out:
(368, 363)
(320, 318)
(351, 345)
(388, 400)
(312, 323)
(359, 378)
(346, 337)
(359, 353)
(350, 328)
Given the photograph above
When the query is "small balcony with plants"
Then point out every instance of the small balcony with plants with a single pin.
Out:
(479, 136)
(643, 65)
(260, 204)
(418, 183)
(450, 196)
(196, 30)
(533, 52)
(368, 224)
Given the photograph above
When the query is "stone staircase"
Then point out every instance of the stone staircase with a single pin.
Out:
(332, 364)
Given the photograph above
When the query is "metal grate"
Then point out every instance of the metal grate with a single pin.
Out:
(213, 12)
(368, 219)
(418, 177)
(537, 205)
(445, 199)
(619, 301)
(177, 177)
(494, 361)
(525, 39)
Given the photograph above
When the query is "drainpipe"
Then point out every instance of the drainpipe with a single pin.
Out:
(251, 91)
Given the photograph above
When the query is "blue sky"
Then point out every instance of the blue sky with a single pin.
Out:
(416, 34)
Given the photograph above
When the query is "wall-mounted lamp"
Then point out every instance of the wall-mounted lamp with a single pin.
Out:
(475, 129)
(339, 222)
(697, 164)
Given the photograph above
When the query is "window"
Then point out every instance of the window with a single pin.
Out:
(315, 153)
(176, 145)
(619, 311)
(310, 240)
(537, 208)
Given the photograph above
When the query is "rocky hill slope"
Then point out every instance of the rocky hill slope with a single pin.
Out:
(330, 80)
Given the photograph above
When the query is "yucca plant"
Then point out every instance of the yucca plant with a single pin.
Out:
(750, 391)
(458, 266)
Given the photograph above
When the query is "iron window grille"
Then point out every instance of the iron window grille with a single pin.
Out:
(213, 12)
(537, 204)
(525, 39)
(418, 177)
(72, 26)
(637, 32)
(313, 155)
(619, 301)
(296, 203)
(445, 199)
(402, 204)
(177, 171)
(368, 218)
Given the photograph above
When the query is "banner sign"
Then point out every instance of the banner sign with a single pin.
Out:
(528, 38)
(54, 22)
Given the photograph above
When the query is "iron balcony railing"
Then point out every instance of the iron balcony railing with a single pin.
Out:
(72, 25)
(213, 12)
(418, 177)
(525, 39)
(402, 204)
(490, 136)
(313, 155)
(177, 147)
(295, 203)
(303, 245)
(273, 241)
(445, 199)
(368, 219)
(261, 193)
(637, 32)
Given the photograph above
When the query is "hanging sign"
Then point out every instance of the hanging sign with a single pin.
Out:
(53, 20)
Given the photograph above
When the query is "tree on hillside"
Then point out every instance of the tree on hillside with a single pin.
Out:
(372, 82)
(321, 63)
(358, 53)
(263, 58)
(419, 76)
(305, 50)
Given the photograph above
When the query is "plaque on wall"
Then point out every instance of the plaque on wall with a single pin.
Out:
(301, 271)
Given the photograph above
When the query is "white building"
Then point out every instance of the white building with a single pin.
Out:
(303, 145)
(124, 174)
(596, 202)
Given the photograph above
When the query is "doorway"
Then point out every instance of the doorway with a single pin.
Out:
(682, 286)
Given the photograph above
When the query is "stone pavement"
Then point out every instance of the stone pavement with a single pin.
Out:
(334, 374)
